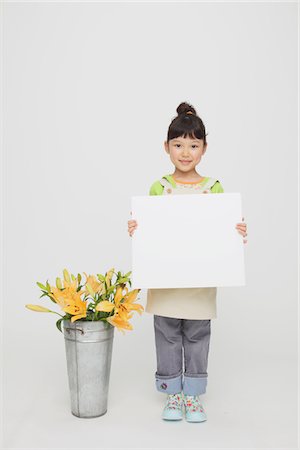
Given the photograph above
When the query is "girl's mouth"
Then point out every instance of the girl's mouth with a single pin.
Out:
(185, 162)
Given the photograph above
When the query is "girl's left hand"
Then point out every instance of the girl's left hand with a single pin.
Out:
(242, 229)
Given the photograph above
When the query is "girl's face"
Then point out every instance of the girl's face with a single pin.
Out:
(185, 153)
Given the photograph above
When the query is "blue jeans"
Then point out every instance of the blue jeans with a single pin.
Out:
(173, 338)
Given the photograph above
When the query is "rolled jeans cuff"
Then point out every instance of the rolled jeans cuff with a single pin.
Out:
(169, 385)
(194, 385)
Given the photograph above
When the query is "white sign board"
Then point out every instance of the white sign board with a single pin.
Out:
(186, 241)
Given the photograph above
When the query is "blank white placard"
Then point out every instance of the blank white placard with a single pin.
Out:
(187, 241)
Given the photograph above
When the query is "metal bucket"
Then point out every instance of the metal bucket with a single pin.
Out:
(89, 351)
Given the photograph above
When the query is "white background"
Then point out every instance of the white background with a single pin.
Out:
(89, 90)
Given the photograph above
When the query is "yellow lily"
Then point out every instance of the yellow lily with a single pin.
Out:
(119, 294)
(109, 276)
(107, 306)
(68, 282)
(121, 310)
(38, 308)
(123, 313)
(94, 284)
(129, 299)
(127, 305)
(120, 323)
(71, 284)
(66, 275)
(59, 283)
(62, 297)
(77, 308)
(69, 299)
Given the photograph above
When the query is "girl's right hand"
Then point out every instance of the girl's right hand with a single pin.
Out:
(132, 225)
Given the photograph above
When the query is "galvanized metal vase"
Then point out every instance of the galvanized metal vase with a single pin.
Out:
(89, 347)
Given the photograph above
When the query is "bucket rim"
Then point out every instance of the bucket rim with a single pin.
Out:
(86, 323)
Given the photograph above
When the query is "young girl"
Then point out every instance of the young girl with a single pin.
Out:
(182, 316)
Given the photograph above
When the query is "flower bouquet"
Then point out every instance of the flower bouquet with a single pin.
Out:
(97, 298)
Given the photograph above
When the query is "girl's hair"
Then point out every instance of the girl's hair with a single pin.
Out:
(186, 124)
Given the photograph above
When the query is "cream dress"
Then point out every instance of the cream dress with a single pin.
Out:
(184, 303)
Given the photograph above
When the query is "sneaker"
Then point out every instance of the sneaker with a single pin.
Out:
(173, 407)
(194, 411)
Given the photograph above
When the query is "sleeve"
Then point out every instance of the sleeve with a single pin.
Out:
(156, 188)
(217, 188)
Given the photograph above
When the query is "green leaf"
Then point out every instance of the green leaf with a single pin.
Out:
(41, 286)
(123, 280)
(100, 277)
(79, 278)
(58, 324)
(45, 293)
(110, 290)
(48, 286)
(52, 300)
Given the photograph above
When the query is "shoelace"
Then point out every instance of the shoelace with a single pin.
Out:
(174, 401)
(192, 402)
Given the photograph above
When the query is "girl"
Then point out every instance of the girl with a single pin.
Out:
(182, 316)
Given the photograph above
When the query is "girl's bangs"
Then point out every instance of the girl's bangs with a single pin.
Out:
(193, 133)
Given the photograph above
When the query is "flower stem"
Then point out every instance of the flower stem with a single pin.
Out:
(54, 312)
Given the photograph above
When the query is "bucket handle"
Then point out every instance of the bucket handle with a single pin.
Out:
(74, 329)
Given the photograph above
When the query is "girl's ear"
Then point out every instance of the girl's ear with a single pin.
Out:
(166, 146)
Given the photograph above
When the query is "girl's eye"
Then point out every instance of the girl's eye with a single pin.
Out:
(193, 145)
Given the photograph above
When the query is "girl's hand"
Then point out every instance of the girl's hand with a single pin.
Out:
(132, 225)
(242, 229)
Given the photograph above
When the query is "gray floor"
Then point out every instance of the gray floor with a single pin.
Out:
(248, 405)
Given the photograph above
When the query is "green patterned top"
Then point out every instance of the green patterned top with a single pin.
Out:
(157, 188)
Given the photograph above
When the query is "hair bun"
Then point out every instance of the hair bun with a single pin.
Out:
(184, 107)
